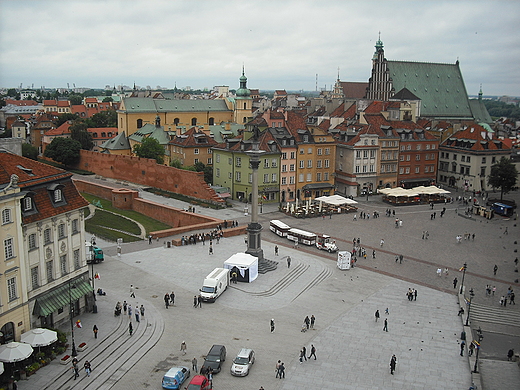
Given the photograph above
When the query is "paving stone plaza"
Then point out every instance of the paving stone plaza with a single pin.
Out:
(353, 351)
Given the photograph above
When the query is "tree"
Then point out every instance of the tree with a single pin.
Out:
(63, 150)
(150, 148)
(30, 151)
(503, 175)
(75, 99)
(108, 99)
(65, 117)
(103, 119)
(78, 131)
(176, 164)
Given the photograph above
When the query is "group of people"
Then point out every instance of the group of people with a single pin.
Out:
(169, 299)
(303, 353)
(308, 323)
(510, 296)
(75, 367)
(412, 294)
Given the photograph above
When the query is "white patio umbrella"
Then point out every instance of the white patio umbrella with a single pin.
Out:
(15, 352)
(39, 337)
(1, 368)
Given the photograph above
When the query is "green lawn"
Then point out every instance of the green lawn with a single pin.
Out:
(106, 219)
(148, 223)
(107, 234)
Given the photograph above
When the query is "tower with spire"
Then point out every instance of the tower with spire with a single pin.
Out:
(337, 92)
(243, 101)
(380, 84)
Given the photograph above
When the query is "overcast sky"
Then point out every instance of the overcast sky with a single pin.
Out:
(283, 44)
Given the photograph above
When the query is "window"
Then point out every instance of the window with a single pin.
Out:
(77, 264)
(284, 156)
(300, 178)
(433, 146)
(417, 157)
(468, 159)
(327, 163)
(218, 157)
(9, 248)
(309, 163)
(372, 154)
(401, 158)
(401, 171)
(408, 157)
(418, 147)
(483, 160)
(49, 267)
(195, 151)
(371, 168)
(454, 157)
(326, 176)
(417, 169)
(427, 146)
(139, 123)
(318, 176)
(291, 180)
(75, 225)
(293, 155)
(327, 151)
(274, 163)
(238, 176)
(35, 278)
(32, 241)
(266, 178)
(493, 160)
(309, 150)
(6, 216)
(27, 203)
(463, 158)
(217, 172)
(266, 163)
(357, 168)
(320, 151)
(408, 147)
(319, 164)
(250, 178)
(63, 264)
(47, 236)
(407, 170)
(195, 161)
(373, 142)
(230, 175)
(11, 289)
(309, 176)
(284, 180)
(402, 147)
(358, 153)
(176, 121)
(194, 121)
(284, 168)
(366, 142)
(238, 162)
(210, 161)
(211, 121)
(365, 153)
(274, 179)
(302, 164)
(447, 155)
(61, 230)
(58, 197)
(364, 168)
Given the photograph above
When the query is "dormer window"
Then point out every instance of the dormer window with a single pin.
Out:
(58, 197)
(27, 204)
(56, 194)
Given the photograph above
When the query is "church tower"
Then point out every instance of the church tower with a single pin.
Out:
(380, 84)
(243, 101)
(337, 92)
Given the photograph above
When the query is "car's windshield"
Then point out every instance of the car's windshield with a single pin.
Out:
(213, 358)
(241, 360)
(193, 387)
(207, 289)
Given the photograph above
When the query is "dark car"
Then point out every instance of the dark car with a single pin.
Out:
(214, 359)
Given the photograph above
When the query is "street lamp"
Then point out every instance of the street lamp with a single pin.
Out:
(71, 310)
(480, 337)
(463, 275)
(92, 243)
(471, 295)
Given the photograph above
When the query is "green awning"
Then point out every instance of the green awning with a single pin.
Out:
(51, 301)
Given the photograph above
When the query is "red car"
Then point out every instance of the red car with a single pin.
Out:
(199, 382)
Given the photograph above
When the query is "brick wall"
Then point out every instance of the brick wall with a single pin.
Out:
(147, 172)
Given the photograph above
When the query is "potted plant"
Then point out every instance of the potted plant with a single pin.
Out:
(82, 347)
(65, 359)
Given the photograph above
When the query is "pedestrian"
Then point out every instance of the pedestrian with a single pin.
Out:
(272, 325)
(277, 368)
(130, 328)
(150, 239)
(312, 321)
(377, 315)
(455, 281)
(382, 242)
(75, 368)
(288, 261)
(276, 250)
(210, 248)
(194, 364)
(281, 370)
(373, 253)
(132, 295)
(304, 352)
(495, 269)
(166, 300)
(400, 259)
(396, 258)
(141, 309)
(136, 313)
(510, 354)
(393, 363)
(199, 301)
(386, 311)
(125, 306)
(172, 298)
(414, 294)
(183, 347)
(301, 356)
(88, 367)
(95, 330)
(210, 375)
(313, 352)
(130, 312)
(512, 298)
(462, 345)
(195, 301)
(385, 328)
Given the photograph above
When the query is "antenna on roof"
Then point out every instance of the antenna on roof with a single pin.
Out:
(316, 82)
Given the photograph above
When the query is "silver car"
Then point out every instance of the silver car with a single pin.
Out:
(244, 360)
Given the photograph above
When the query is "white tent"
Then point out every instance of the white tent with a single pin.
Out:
(245, 264)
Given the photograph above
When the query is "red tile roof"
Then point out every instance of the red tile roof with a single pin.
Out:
(21, 102)
(63, 129)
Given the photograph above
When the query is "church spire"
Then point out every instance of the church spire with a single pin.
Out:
(480, 93)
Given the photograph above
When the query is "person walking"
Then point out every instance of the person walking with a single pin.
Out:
(88, 367)
(510, 354)
(393, 363)
(382, 243)
(141, 309)
(276, 250)
(313, 352)
(312, 321)
(277, 368)
(272, 325)
(301, 356)
(199, 301)
(136, 313)
(130, 328)
(132, 294)
(455, 281)
(307, 322)
(462, 345)
(95, 330)
(385, 327)
(495, 269)
(183, 347)
(75, 368)
(172, 298)
(304, 351)
(195, 301)
(130, 312)
(377, 315)
(281, 370)
(288, 261)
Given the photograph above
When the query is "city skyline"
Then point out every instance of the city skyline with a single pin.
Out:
(292, 45)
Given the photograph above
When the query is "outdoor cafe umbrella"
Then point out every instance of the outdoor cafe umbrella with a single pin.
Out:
(15, 352)
(1, 368)
(39, 337)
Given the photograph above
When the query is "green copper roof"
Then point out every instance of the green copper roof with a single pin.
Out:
(150, 130)
(479, 111)
(439, 86)
(119, 142)
(180, 105)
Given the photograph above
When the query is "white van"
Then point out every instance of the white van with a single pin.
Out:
(214, 284)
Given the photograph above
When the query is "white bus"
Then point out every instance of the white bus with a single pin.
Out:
(278, 227)
(301, 236)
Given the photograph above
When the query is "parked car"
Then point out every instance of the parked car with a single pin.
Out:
(243, 362)
(199, 382)
(214, 359)
(175, 377)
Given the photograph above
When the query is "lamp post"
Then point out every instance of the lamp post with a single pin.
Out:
(92, 243)
(71, 311)
(463, 275)
(471, 295)
(480, 337)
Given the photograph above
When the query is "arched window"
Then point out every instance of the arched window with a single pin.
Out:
(245, 106)
(139, 123)
(7, 333)
(194, 121)
(103, 134)
(211, 121)
(110, 134)
(176, 121)
(94, 135)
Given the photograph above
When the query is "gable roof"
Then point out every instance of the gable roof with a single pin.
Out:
(193, 138)
(354, 90)
(479, 111)
(162, 105)
(119, 142)
(475, 137)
